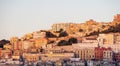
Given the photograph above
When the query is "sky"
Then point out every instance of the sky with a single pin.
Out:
(18, 17)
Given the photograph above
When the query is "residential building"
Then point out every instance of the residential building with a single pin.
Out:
(14, 41)
(117, 38)
(85, 45)
(106, 39)
(56, 56)
(5, 54)
(103, 53)
(99, 53)
(85, 53)
(27, 44)
(108, 54)
(39, 42)
(92, 39)
(17, 52)
(59, 49)
(32, 57)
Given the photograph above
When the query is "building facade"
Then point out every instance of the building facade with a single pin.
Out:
(32, 57)
(106, 39)
(5, 54)
(108, 54)
(85, 53)
(99, 53)
(103, 53)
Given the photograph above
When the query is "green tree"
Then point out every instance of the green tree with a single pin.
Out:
(63, 43)
(72, 40)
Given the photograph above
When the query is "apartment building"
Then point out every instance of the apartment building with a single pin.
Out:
(106, 39)
(85, 53)
(32, 57)
(103, 53)
(108, 54)
(6, 54)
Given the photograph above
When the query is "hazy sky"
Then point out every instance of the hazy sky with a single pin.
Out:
(18, 17)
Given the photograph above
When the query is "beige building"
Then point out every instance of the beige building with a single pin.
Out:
(90, 40)
(39, 42)
(14, 42)
(106, 39)
(85, 53)
(56, 56)
(32, 57)
(59, 26)
(69, 27)
(27, 44)
(111, 40)
(59, 49)
(117, 38)
(84, 45)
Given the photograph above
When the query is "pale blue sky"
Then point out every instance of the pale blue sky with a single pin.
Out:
(18, 17)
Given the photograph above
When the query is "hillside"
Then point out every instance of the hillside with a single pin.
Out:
(90, 27)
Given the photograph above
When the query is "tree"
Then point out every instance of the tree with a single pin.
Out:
(3, 42)
(51, 42)
(72, 40)
(50, 35)
(63, 43)
(63, 34)
(80, 30)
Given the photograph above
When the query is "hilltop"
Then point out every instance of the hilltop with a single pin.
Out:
(88, 28)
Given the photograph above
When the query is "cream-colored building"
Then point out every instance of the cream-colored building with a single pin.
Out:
(59, 26)
(117, 38)
(85, 53)
(56, 56)
(27, 44)
(106, 38)
(69, 27)
(111, 40)
(84, 45)
(32, 57)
